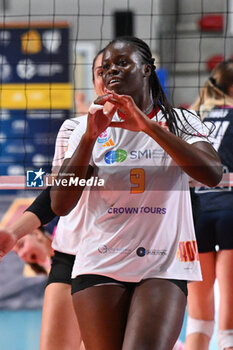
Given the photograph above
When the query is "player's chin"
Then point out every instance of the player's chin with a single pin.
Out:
(118, 89)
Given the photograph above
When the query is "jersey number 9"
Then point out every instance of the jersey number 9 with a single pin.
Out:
(137, 178)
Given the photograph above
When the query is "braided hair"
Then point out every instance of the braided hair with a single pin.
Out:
(159, 98)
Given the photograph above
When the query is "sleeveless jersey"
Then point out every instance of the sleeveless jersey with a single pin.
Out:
(139, 224)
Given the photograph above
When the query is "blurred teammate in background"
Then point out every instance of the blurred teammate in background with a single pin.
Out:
(214, 230)
(36, 247)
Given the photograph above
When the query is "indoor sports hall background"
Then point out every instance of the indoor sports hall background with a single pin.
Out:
(46, 52)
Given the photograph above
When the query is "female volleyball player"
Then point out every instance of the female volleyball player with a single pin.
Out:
(214, 228)
(59, 329)
(137, 247)
(35, 248)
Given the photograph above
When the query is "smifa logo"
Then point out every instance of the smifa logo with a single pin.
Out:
(117, 156)
(35, 178)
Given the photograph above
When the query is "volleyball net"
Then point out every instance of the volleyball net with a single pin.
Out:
(46, 53)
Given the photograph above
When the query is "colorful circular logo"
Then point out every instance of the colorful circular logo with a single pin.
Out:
(117, 156)
(141, 251)
(103, 249)
(103, 137)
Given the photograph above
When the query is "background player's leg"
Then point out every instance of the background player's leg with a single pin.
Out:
(59, 329)
(201, 301)
(224, 274)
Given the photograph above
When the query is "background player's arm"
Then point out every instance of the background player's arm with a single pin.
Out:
(21, 227)
(39, 212)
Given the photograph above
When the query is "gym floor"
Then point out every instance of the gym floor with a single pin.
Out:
(20, 330)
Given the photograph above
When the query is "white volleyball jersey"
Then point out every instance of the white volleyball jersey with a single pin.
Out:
(139, 225)
(66, 238)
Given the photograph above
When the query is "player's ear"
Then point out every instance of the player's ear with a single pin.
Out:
(147, 70)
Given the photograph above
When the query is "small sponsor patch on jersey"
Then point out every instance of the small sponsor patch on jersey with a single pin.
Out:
(187, 251)
(109, 143)
(103, 137)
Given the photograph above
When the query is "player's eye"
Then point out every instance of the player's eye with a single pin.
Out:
(106, 66)
(123, 62)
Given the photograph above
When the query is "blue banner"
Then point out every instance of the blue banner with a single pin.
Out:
(39, 53)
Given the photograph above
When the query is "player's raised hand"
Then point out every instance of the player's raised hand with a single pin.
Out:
(134, 118)
(7, 241)
(100, 116)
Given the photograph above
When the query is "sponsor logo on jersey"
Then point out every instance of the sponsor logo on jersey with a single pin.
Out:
(187, 251)
(120, 155)
(103, 137)
(141, 251)
(104, 249)
(117, 156)
(109, 143)
(136, 210)
(146, 154)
